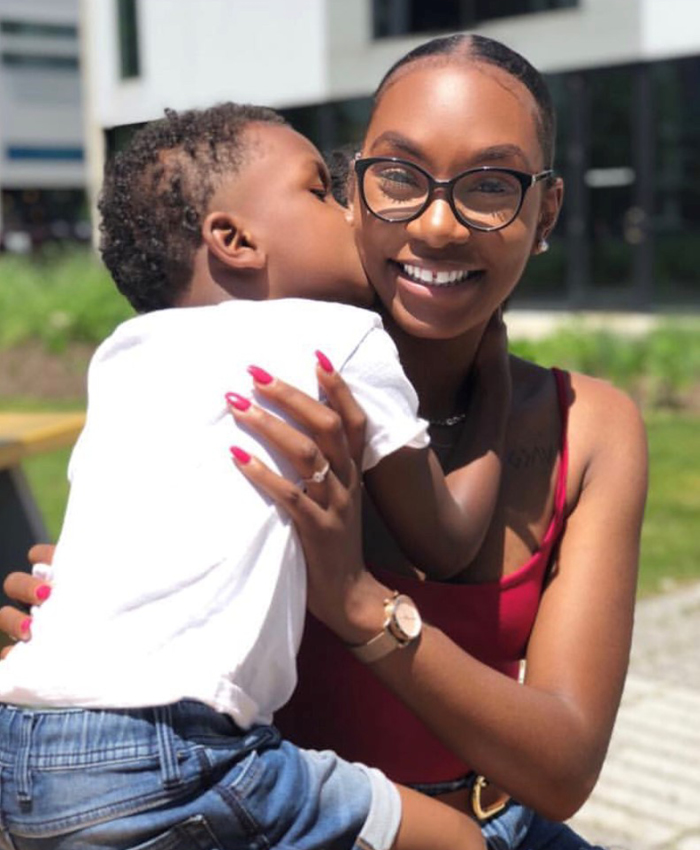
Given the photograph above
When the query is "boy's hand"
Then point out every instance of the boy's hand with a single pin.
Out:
(492, 364)
(27, 590)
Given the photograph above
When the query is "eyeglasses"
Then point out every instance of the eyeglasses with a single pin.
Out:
(484, 198)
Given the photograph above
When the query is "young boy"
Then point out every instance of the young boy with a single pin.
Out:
(144, 716)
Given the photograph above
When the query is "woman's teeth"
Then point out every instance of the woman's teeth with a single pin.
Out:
(421, 275)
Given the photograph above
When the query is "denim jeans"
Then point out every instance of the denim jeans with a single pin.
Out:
(516, 827)
(179, 777)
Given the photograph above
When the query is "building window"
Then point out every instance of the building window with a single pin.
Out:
(34, 60)
(129, 55)
(44, 153)
(40, 30)
(403, 17)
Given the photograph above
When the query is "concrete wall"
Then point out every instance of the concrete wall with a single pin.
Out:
(195, 53)
(296, 52)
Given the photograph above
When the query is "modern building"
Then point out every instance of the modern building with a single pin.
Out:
(625, 75)
(42, 163)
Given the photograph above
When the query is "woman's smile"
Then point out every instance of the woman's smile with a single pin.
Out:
(436, 277)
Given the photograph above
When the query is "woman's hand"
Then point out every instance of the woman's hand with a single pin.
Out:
(26, 590)
(325, 511)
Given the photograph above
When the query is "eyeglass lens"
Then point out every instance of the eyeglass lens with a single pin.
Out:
(486, 199)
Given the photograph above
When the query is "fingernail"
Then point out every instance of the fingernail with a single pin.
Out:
(25, 625)
(43, 592)
(324, 362)
(240, 455)
(238, 402)
(260, 375)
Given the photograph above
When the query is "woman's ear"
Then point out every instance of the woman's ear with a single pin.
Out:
(552, 199)
(231, 243)
(350, 195)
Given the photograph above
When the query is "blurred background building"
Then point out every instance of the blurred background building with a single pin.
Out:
(42, 162)
(625, 75)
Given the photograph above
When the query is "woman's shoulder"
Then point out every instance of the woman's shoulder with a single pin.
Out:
(587, 397)
(607, 439)
(600, 403)
(604, 423)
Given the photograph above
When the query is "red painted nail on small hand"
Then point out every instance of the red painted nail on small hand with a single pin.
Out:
(43, 592)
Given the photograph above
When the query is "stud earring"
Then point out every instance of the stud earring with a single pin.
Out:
(542, 246)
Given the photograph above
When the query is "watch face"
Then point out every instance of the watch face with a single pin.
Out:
(406, 618)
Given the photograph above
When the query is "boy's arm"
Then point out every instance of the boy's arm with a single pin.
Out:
(440, 522)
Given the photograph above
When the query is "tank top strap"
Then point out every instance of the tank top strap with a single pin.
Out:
(562, 383)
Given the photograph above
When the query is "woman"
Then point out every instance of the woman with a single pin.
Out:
(554, 581)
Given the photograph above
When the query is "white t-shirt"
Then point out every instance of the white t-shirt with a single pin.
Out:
(174, 577)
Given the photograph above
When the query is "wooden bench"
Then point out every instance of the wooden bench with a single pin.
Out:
(21, 436)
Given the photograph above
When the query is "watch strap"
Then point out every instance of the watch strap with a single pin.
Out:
(386, 641)
(377, 647)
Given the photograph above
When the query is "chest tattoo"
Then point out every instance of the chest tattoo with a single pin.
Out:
(527, 457)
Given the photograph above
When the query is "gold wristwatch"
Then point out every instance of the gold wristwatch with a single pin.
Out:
(402, 627)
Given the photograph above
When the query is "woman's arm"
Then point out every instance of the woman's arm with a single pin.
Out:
(543, 742)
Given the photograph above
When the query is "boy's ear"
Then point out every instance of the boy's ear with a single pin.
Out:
(231, 243)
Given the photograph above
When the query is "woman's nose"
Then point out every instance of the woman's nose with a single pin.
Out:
(437, 225)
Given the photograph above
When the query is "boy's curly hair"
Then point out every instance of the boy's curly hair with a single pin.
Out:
(156, 193)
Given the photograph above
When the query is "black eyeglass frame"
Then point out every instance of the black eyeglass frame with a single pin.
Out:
(362, 164)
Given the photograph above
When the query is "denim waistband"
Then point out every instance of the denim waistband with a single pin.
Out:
(435, 789)
(72, 737)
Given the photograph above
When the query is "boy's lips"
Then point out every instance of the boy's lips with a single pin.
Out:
(437, 277)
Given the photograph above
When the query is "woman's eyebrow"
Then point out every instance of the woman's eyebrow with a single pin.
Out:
(490, 154)
(497, 152)
(399, 141)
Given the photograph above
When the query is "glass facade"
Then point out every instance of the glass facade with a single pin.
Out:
(403, 17)
(129, 53)
(12, 59)
(41, 216)
(38, 29)
(629, 234)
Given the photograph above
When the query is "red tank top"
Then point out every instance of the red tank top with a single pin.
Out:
(340, 705)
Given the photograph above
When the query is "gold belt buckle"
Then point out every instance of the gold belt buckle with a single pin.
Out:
(481, 813)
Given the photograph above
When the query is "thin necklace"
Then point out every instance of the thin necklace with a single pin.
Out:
(449, 421)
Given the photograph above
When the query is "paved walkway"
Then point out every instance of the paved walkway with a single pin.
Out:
(648, 795)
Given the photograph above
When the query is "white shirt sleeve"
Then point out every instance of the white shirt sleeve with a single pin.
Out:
(377, 380)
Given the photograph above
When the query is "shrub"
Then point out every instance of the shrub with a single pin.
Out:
(59, 297)
(658, 368)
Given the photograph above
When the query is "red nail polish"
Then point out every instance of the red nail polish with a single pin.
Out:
(240, 455)
(260, 375)
(324, 362)
(43, 592)
(25, 625)
(238, 402)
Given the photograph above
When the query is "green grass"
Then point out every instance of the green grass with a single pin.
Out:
(670, 539)
(60, 297)
(658, 368)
